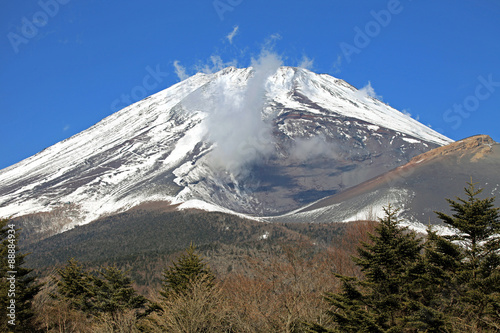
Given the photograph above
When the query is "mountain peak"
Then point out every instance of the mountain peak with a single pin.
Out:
(262, 140)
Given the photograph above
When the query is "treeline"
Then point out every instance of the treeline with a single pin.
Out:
(145, 242)
(397, 281)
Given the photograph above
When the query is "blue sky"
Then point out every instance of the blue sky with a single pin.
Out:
(67, 64)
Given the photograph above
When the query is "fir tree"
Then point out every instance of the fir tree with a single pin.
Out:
(188, 268)
(76, 286)
(469, 259)
(114, 292)
(442, 263)
(392, 295)
(111, 292)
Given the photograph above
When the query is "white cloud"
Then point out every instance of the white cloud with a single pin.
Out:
(305, 149)
(232, 34)
(368, 91)
(214, 64)
(337, 65)
(180, 71)
(274, 37)
(65, 128)
(306, 63)
(408, 114)
(270, 42)
(234, 122)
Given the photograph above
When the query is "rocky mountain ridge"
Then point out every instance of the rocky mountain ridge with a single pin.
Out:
(418, 188)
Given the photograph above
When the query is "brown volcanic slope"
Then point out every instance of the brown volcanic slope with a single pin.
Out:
(419, 187)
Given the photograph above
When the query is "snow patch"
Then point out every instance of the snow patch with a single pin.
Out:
(410, 140)
(264, 236)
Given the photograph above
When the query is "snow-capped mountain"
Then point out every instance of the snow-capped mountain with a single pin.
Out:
(262, 140)
(418, 188)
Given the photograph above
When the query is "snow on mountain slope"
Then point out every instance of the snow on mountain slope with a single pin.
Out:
(261, 140)
(94, 166)
(343, 99)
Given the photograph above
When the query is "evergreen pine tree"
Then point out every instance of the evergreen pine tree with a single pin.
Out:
(76, 286)
(13, 273)
(188, 268)
(392, 295)
(111, 292)
(114, 292)
(442, 263)
(469, 259)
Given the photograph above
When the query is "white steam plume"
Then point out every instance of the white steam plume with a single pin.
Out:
(305, 149)
(306, 63)
(180, 71)
(233, 33)
(367, 91)
(214, 64)
(234, 122)
(337, 65)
